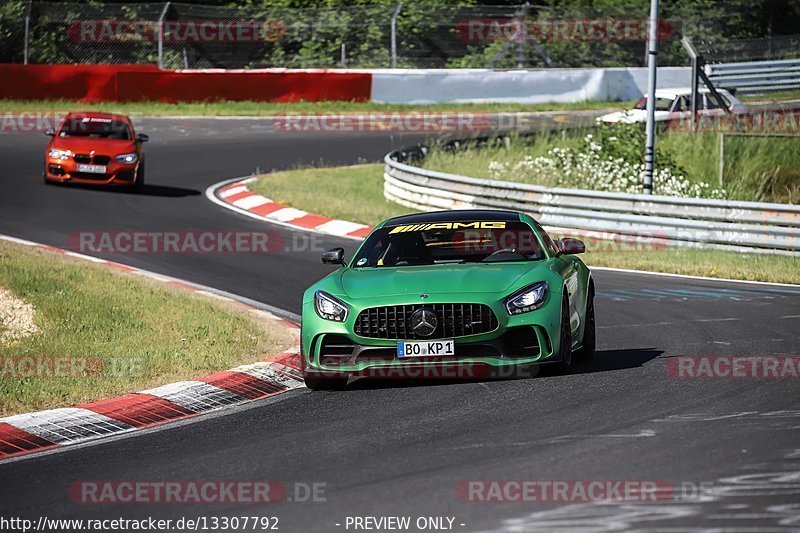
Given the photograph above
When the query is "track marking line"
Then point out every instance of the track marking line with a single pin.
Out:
(643, 433)
(688, 276)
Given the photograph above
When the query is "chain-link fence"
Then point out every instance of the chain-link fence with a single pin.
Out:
(384, 35)
(761, 49)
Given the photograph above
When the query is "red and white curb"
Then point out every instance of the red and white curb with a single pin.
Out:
(235, 194)
(31, 432)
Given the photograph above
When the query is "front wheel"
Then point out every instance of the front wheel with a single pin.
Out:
(589, 342)
(138, 185)
(565, 343)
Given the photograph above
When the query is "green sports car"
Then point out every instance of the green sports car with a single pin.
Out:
(448, 294)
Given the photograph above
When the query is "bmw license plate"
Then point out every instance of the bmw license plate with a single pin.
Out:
(92, 169)
(426, 348)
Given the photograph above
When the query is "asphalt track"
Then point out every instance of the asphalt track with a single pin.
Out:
(401, 450)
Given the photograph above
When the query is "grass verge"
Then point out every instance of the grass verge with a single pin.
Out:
(352, 193)
(755, 168)
(250, 108)
(356, 194)
(114, 333)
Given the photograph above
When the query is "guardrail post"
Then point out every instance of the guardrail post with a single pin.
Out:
(161, 35)
(394, 33)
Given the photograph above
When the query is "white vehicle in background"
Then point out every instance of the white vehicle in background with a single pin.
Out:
(674, 104)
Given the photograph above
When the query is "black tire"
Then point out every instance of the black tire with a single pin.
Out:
(138, 185)
(565, 344)
(589, 341)
(322, 382)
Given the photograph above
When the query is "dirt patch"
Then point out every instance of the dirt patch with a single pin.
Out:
(16, 318)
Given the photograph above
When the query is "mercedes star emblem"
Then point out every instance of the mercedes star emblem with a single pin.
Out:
(423, 322)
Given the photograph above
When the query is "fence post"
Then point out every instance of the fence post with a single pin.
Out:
(650, 141)
(721, 158)
(394, 34)
(161, 35)
(27, 33)
(522, 35)
(693, 55)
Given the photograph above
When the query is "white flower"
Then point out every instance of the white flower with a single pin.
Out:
(567, 167)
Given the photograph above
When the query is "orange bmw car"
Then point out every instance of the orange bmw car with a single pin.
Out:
(95, 148)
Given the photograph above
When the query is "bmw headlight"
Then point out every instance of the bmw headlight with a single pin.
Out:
(528, 299)
(329, 307)
(55, 153)
(127, 158)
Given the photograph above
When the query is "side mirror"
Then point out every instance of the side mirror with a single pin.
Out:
(334, 256)
(142, 138)
(50, 132)
(570, 246)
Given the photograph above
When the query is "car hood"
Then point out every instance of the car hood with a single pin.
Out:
(84, 145)
(437, 279)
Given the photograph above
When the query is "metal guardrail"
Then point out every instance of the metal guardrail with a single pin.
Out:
(756, 76)
(695, 222)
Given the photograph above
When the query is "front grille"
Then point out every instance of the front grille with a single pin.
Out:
(453, 320)
(86, 159)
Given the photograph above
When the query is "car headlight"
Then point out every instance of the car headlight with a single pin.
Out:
(330, 307)
(527, 299)
(55, 153)
(127, 158)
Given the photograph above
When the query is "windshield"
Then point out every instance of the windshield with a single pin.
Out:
(449, 242)
(662, 104)
(101, 128)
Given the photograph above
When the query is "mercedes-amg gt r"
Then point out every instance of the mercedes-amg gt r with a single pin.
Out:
(431, 294)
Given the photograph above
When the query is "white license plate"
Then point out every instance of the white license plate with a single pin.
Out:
(92, 169)
(426, 348)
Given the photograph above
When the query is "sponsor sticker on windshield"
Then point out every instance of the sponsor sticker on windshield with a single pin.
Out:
(449, 225)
